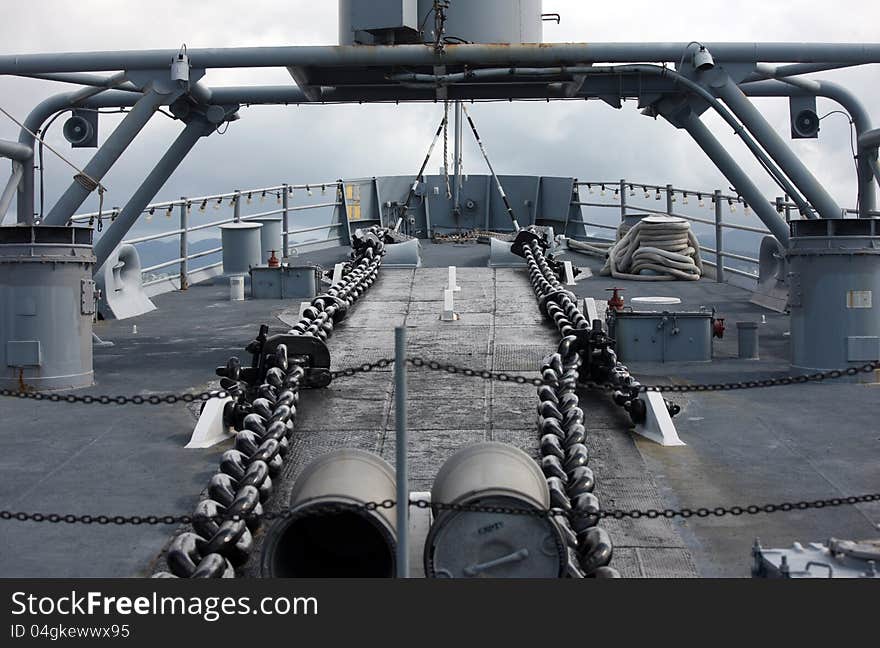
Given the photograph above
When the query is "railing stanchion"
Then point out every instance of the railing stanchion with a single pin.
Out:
(670, 200)
(285, 226)
(402, 455)
(236, 206)
(719, 239)
(184, 243)
(622, 200)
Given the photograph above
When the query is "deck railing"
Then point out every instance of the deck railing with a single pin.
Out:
(618, 192)
(237, 201)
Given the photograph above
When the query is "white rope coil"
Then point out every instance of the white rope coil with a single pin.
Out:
(664, 247)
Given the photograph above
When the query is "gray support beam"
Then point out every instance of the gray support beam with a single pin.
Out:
(782, 154)
(622, 200)
(766, 71)
(850, 103)
(16, 151)
(402, 463)
(107, 155)
(194, 131)
(731, 170)
(34, 122)
(21, 156)
(9, 191)
(416, 55)
(456, 189)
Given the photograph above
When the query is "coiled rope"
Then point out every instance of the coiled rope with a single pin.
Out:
(663, 246)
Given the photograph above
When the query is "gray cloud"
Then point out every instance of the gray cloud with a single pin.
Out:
(314, 144)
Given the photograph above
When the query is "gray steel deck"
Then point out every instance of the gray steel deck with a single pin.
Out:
(743, 447)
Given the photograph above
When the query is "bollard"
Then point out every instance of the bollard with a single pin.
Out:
(236, 288)
(569, 274)
(747, 334)
(448, 314)
(318, 543)
(452, 284)
(337, 273)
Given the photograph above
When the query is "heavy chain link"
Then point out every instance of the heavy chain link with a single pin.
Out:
(263, 411)
(562, 445)
(332, 509)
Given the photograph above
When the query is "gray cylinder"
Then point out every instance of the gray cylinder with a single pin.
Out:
(47, 302)
(375, 22)
(492, 545)
(834, 277)
(241, 248)
(270, 237)
(350, 544)
(747, 337)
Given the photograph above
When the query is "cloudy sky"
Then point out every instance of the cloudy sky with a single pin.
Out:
(271, 145)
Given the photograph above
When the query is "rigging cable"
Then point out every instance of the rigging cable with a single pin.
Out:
(852, 145)
(507, 205)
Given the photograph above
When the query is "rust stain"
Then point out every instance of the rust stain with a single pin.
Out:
(23, 387)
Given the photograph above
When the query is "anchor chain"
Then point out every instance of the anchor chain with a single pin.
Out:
(262, 412)
(564, 453)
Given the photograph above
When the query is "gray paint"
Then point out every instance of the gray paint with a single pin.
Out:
(346, 476)
(134, 208)
(481, 206)
(270, 237)
(747, 340)
(486, 21)
(663, 337)
(107, 156)
(241, 248)
(488, 474)
(724, 87)
(479, 54)
(46, 308)
(285, 282)
(731, 170)
(851, 104)
(835, 288)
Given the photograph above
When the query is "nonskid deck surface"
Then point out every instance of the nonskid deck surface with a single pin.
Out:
(743, 447)
(501, 329)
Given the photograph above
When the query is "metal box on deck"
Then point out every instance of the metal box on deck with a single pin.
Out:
(663, 336)
(285, 282)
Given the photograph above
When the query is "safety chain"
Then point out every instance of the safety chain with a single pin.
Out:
(433, 365)
(263, 411)
(609, 387)
(335, 508)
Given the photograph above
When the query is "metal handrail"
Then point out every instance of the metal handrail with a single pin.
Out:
(624, 189)
(322, 186)
(184, 207)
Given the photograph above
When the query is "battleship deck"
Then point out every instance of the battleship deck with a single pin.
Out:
(744, 447)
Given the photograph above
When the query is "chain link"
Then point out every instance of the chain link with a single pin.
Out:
(332, 509)
(433, 365)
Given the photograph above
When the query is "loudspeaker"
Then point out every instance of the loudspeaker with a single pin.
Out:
(81, 130)
(804, 118)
